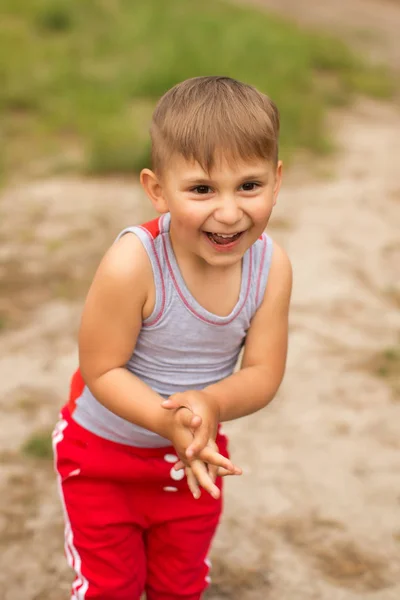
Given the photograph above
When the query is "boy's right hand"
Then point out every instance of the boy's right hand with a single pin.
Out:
(184, 424)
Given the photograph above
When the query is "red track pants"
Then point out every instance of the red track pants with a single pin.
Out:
(131, 524)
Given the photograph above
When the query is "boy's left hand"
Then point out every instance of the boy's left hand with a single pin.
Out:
(203, 405)
(209, 470)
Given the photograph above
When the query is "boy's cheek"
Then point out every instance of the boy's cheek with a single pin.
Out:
(191, 217)
(262, 213)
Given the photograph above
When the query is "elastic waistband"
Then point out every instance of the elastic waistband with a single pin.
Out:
(91, 438)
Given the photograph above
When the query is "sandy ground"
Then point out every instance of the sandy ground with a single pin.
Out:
(317, 513)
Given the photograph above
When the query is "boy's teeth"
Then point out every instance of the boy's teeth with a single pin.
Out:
(222, 238)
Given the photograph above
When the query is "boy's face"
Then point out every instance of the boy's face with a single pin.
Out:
(234, 200)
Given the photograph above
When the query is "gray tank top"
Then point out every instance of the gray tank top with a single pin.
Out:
(181, 346)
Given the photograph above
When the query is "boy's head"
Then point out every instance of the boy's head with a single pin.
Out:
(215, 166)
(205, 119)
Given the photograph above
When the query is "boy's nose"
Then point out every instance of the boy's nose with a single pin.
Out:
(228, 212)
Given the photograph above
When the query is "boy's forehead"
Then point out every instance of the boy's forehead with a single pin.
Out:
(224, 165)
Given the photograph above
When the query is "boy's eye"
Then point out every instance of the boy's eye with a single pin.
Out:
(201, 189)
(249, 186)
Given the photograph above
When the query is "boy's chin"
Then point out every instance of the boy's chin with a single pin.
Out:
(217, 259)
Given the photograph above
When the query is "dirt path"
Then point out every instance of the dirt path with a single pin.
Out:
(316, 515)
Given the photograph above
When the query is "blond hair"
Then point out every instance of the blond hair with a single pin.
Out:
(205, 116)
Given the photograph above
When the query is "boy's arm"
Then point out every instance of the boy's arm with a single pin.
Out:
(263, 364)
(265, 350)
(111, 322)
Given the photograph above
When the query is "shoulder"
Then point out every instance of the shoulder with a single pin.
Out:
(125, 257)
(125, 268)
(280, 260)
(280, 274)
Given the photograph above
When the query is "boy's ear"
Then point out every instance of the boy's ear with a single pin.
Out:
(278, 180)
(154, 190)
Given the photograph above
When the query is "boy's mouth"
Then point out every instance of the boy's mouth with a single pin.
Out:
(222, 239)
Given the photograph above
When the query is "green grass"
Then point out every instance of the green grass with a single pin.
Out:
(39, 445)
(386, 365)
(87, 73)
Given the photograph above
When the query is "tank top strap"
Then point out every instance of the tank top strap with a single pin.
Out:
(262, 256)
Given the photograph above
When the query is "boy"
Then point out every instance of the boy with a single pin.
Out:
(172, 304)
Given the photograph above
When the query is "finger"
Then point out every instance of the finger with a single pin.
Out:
(219, 471)
(211, 456)
(224, 472)
(189, 420)
(213, 471)
(185, 418)
(200, 441)
(196, 422)
(180, 465)
(200, 472)
(192, 483)
(171, 403)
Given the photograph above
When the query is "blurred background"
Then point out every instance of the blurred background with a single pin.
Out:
(316, 514)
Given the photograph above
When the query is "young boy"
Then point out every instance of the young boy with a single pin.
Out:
(172, 304)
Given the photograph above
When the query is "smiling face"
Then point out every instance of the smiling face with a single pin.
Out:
(216, 216)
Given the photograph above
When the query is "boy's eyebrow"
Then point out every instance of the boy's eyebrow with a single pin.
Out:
(204, 180)
(196, 181)
(259, 175)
